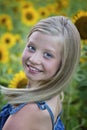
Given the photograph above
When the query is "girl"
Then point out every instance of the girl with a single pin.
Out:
(49, 60)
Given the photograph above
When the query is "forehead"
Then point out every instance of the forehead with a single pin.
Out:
(47, 42)
(45, 38)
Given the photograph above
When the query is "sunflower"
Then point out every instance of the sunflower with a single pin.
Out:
(83, 60)
(59, 5)
(84, 42)
(26, 4)
(29, 16)
(4, 54)
(64, 3)
(8, 39)
(19, 80)
(43, 12)
(18, 38)
(50, 8)
(5, 21)
(80, 20)
(15, 9)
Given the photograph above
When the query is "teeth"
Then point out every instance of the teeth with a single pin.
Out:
(34, 69)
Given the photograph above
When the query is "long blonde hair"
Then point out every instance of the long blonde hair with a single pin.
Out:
(54, 26)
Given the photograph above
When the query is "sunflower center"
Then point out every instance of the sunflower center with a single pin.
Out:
(0, 55)
(3, 20)
(15, 9)
(22, 83)
(25, 6)
(7, 41)
(29, 16)
(81, 24)
(42, 13)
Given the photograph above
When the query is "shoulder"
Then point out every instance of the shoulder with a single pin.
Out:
(30, 117)
(36, 118)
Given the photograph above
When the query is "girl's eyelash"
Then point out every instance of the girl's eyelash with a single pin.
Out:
(31, 48)
(48, 55)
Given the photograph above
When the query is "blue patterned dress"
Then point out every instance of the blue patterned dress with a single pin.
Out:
(8, 110)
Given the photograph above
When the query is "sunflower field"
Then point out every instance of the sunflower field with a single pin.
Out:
(16, 19)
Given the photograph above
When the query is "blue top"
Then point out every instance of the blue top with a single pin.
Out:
(9, 110)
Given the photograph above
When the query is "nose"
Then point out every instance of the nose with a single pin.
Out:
(35, 58)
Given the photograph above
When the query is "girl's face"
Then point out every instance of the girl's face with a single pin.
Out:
(41, 57)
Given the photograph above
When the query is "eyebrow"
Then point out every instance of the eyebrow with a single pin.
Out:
(30, 42)
(51, 50)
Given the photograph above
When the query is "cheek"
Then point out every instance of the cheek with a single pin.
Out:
(54, 67)
(51, 67)
(24, 56)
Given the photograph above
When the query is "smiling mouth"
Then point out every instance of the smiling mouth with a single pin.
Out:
(33, 69)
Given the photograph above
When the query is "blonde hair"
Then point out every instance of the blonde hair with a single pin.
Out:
(54, 26)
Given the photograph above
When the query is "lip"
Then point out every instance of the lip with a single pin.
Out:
(33, 69)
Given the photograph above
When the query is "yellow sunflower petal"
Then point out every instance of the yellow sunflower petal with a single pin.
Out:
(50, 8)
(18, 38)
(5, 21)
(19, 80)
(26, 5)
(59, 5)
(83, 60)
(43, 12)
(29, 16)
(80, 20)
(8, 39)
(4, 55)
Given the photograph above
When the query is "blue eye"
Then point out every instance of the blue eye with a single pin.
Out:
(31, 48)
(48, 55)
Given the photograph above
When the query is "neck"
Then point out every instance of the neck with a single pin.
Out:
(32, 84)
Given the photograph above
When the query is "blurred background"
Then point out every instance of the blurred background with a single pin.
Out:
(16, 19)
